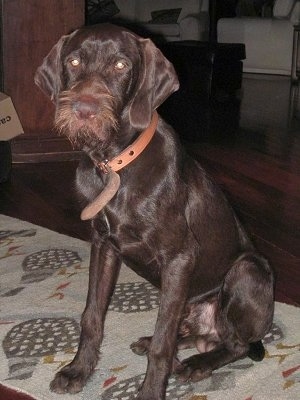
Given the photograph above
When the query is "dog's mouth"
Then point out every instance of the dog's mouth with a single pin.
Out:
(84, 118)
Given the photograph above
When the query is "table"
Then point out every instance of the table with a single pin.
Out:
(209, 73)
(204, 66)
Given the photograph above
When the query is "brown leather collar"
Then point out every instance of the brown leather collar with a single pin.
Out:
(131, 152)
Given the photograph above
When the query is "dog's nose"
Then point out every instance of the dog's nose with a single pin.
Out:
(85, 107)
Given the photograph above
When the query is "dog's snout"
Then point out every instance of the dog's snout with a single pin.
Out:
(85, 107)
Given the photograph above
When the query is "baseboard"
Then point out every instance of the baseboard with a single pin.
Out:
(33, 149)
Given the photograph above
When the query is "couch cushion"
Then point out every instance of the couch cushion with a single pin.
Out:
(283, 8)
(166, 30)
(268, 42)
(127, 9)
(165, 16)
(144, 7)
(100, 11)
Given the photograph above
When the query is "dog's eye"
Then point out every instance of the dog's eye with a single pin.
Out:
(120, 65)
(75, 62)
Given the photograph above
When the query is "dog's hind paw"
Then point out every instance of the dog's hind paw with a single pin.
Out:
(192, 369)
(141, 347)
(69, 380)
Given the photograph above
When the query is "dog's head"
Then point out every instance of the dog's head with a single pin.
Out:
(99, 74)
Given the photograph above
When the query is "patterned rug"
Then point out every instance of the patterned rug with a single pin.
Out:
(43, 286)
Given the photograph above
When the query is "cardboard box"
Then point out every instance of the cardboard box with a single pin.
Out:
(10, 125)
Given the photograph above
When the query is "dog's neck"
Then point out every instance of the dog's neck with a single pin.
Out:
(131, 152)
(110, 168)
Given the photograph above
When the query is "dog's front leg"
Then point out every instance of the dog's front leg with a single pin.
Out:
(104, 269)
(174, 289)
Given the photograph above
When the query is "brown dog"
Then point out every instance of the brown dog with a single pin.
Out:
(160, 214)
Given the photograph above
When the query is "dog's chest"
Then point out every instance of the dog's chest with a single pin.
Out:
(137, 244)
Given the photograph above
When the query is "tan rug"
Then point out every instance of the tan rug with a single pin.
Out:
(43, 285)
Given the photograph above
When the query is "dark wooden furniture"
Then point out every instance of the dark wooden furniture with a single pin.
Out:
(204, 67)
(209, 73)
(5, 161)
(28, 31)
(295, 61)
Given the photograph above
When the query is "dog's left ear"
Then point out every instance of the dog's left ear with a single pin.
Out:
(48, 76)
(157, 81)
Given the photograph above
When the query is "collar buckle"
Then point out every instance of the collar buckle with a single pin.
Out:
(104, 167)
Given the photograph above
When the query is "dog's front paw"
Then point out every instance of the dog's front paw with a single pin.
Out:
(193, 369)
(141, 347)
(150, 395)
(69, 379)
(141, 397)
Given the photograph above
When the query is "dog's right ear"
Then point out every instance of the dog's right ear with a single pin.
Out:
(48, 76)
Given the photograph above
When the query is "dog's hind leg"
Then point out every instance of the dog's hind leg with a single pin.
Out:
(200, 366)
(104, 269)
(244, 315)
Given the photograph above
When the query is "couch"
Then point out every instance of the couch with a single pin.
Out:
(189, 23)
(268, 41)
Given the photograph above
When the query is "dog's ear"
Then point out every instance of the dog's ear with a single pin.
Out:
(48, 76)
(157, 81)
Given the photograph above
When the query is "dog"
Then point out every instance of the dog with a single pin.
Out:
(154, 208)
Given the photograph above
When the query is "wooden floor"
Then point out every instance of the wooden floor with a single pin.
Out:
(256, 161)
